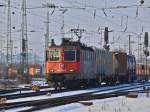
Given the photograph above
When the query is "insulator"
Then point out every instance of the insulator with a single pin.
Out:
(23, 44)
(146, 39)
(142, 1)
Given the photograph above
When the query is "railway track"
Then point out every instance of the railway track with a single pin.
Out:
(47, 103)
(30, 94)
(74, 99)
(2, 92)
(8, 91)
(51, 102)
(33, 94)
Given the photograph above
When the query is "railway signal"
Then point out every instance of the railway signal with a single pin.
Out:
(106, 39)
(142, 2)
(146, 39)
(146, 52)
(106, 35)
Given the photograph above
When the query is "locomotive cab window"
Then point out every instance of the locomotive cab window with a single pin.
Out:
(54, 55)
(69, 55)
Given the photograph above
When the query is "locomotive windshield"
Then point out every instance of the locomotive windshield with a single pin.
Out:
(69, 55)
(54, 55)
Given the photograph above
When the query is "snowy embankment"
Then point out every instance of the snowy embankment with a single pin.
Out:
(117, 104)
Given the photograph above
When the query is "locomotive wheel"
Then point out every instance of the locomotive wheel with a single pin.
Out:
(50, 83)
(58, 86)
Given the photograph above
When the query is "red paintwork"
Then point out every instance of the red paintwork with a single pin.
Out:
(69, 67)
(142, 72)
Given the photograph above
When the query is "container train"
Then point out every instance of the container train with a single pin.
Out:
(33, 71)
(73, 64)
(142, 72)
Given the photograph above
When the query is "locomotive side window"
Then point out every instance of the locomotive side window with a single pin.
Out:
(69, 55)
(54, 55)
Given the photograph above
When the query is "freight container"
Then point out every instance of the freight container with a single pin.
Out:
(131, 67)
(120, 66)
(35, 70)
(142, 72)
(103, 62)
(120, 63)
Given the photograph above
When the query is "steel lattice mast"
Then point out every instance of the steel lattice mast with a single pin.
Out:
(9, 39)
(47, 30)
(24, 54)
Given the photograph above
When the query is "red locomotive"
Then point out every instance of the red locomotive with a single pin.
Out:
(65, 63)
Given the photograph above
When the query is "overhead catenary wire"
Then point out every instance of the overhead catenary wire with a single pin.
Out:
(120, 7)
(91, 10)
(109, 8)
(117, 7)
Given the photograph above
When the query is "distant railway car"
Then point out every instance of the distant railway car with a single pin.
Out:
(139, 70)
(32, 71)
(73, 64)
(3, 70)
(104, 66)
(120, 66)
(142, 72)
(35, 70)
(11, 72)
(131, 67)
(120, 63)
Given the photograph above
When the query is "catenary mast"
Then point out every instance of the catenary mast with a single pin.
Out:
(24, 52)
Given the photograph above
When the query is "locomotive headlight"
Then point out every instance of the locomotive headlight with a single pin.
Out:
(71, 70)
(62, 66)
(51, 70)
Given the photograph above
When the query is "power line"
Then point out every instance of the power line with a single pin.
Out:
(115, 7)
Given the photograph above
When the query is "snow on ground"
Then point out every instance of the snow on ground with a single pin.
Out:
(103, 89)
(117, 104)
(52, 96)
(23, 85)
(39, 83)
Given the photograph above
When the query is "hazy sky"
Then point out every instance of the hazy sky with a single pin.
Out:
(97, 15)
